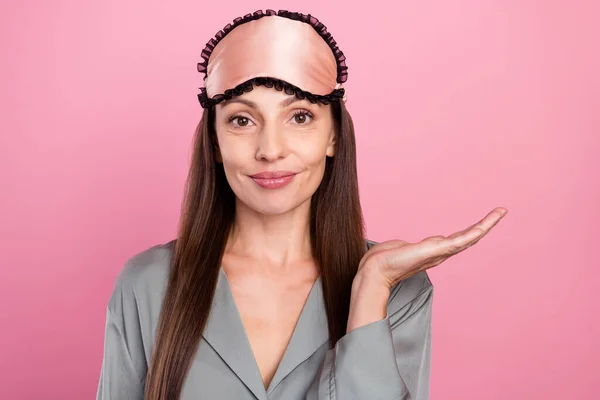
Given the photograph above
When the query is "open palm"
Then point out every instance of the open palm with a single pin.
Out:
(396, 260)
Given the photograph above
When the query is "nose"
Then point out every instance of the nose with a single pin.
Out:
(271, 143)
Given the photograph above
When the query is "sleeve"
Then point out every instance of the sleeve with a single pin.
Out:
(118, 376)
(384, 360)
(124, 364)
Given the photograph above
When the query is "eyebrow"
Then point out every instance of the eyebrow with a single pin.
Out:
(249, 103)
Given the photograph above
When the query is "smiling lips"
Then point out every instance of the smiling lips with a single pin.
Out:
(273, 179)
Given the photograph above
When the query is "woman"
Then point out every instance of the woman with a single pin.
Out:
(270, 290)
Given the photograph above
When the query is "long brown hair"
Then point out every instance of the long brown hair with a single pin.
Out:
(208, 210)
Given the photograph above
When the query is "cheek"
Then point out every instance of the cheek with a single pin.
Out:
(235, 162)
(312, 152)
(234, 154)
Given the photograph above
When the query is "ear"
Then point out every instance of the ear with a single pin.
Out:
(330, 151)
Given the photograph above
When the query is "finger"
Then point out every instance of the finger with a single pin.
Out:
(460, 241)
(417, 257)
(442, 255)
(487, 223)
(413, 255)
(423, 266)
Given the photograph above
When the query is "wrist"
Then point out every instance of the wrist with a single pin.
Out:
(368, 302)
(372, 283)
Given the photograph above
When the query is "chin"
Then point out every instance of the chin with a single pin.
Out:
(271, 204)
(272, 207)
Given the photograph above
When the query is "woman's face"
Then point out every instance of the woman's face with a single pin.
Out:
(273, 148)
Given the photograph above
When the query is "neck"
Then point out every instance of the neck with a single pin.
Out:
(273, 241)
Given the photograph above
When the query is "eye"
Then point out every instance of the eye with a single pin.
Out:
(242, 121)
(302, 117)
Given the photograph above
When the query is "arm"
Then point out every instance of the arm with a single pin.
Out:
(119, 378)
(124, 365)
(386, 351)
(360, 365)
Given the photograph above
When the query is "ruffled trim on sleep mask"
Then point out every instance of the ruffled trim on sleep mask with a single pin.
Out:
(277, 84)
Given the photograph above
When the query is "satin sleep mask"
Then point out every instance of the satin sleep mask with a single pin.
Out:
(284, 50)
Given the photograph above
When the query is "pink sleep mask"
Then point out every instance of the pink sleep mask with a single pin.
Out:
(284, 50)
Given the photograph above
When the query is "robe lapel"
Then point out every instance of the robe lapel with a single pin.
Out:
(225, 333)
(311, 332)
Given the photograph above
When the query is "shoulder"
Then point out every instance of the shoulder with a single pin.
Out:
(409, 296)
(143, 276)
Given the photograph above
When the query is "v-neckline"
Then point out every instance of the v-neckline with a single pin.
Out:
(226, 333)
(287, 348)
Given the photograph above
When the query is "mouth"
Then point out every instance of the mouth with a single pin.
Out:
(272, 174)
(273, 179)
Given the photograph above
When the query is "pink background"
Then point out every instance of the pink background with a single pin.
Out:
(459, 106)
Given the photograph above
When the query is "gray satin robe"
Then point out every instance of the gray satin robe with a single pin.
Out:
(386, 360)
